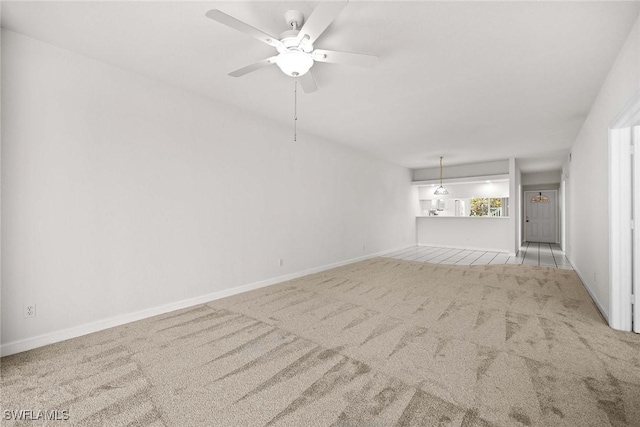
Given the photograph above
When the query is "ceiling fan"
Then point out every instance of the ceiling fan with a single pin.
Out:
(296, 53)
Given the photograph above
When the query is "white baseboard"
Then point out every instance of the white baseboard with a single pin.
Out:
(19, 346)
(603, 311)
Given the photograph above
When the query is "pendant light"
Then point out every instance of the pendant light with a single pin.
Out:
(441, 191)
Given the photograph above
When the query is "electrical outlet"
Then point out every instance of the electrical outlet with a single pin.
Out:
(363, 247)
(30, 310)
(281, 262)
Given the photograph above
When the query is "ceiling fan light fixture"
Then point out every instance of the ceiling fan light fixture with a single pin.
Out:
(294, 62)
(296, 53)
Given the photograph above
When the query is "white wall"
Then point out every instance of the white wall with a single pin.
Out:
(587, 174)
(481, 233)
(122, 194)
(475, 169)
(544, 177)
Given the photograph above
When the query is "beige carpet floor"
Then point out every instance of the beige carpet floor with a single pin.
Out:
(382, 342)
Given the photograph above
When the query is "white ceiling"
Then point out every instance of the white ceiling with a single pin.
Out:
(472, 81)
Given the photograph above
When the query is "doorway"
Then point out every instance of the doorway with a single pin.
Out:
(635, 249)
(541, 216)
(624, 218)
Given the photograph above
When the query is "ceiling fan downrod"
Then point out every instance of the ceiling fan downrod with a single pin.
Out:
(294, 19)
(295, 109)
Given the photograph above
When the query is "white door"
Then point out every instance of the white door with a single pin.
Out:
(540, 221)
(624, 217)
(635, 201)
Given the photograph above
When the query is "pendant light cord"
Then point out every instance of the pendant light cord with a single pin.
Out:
(440, 171)
(295, 109)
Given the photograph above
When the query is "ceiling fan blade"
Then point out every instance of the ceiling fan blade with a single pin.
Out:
(253, 67)
(347, 58)
(232, 22)
(321, 17)
(307, 82)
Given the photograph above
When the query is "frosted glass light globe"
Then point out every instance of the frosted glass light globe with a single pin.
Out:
(294, 62)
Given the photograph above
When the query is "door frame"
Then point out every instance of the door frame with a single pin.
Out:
(620, 216)
(563, 213)
(526, 204)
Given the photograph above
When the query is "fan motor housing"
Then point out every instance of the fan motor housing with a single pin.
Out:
(289, 41)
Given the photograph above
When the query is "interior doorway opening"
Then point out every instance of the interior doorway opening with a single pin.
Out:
(624, 218)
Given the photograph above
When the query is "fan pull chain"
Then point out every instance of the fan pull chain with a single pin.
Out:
(295, 109)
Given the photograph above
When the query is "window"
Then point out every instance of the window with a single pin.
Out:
(486, 206)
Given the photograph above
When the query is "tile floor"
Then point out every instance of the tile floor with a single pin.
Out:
(540, 254)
